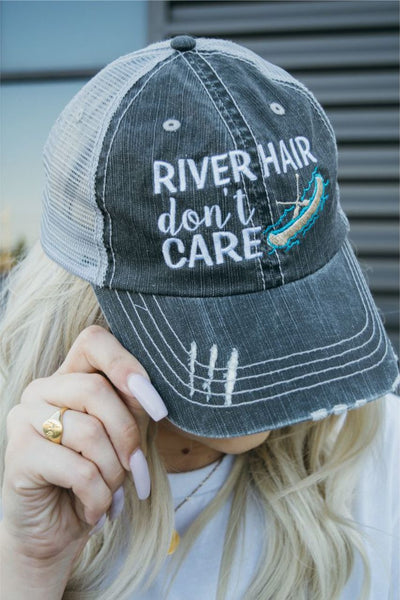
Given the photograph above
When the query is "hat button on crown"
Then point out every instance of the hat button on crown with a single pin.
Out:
(183, 42)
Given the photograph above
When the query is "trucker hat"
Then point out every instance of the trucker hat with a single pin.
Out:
(194, 185)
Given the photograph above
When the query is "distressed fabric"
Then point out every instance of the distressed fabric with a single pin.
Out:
(215, 241)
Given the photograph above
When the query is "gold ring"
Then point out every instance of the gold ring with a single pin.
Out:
(53, 427)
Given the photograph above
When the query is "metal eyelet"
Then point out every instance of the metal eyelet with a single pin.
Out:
(171, 124)
(277, 108)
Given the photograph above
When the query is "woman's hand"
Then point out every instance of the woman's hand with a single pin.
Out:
(53, 494)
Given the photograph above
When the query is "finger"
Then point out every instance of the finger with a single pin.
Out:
(86, 435)
(96, 349)
(45, 463)
(92, 394)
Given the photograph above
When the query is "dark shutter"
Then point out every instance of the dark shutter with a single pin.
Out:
(347, 54)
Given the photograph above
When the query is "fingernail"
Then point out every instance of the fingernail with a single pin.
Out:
(147, 395)
(117, 503)
(98, 525)
(140, 473)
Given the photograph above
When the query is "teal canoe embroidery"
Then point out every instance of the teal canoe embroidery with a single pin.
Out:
(303, 212)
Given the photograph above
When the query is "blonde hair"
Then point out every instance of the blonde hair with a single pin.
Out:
(303, 475)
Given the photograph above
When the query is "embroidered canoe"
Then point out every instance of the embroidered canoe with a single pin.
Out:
(279, 238)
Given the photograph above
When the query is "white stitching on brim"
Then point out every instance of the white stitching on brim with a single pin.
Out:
(280, 369)
(263, 374)
(280, 358)
(296, 389)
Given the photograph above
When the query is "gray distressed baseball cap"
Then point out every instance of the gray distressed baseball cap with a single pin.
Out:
(194, 185)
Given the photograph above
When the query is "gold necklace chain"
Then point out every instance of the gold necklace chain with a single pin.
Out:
(201, 483)
(175, 535)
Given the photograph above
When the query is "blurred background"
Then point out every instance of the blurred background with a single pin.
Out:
(346, 53)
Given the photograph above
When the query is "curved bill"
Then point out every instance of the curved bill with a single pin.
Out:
(236, 365)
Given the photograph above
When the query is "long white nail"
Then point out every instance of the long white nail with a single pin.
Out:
(140, 473)
(117, 503)
(147, 395)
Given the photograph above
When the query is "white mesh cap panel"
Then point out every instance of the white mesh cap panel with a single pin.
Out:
(72, 224)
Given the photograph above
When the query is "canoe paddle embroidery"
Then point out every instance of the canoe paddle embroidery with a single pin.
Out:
(303, 212)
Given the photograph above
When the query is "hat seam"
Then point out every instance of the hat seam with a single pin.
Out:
(260, 270)
(152, 74)
(258, 156)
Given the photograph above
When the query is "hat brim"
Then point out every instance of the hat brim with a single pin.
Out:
(235, 365)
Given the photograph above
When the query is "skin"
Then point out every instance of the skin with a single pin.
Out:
(53, 494)
(182, 451)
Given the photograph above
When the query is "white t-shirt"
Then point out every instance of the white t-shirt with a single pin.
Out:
(376, 511)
